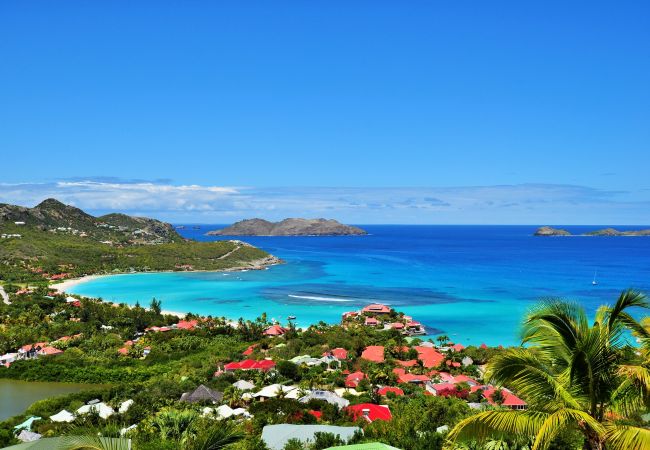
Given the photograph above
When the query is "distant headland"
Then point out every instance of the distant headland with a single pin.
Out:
(550, 231)
(289, 227)
(53, 241)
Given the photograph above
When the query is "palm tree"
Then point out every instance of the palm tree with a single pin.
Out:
(216, 437)
(574, 376)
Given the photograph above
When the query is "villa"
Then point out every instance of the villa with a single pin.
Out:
(353, 379)
(275, 330)
(250, 364)
(377, 308)
(374, 353)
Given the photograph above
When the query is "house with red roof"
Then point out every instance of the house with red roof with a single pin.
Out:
(49, 351)
(250, 364)
(377, 308)
(371, 322)
(338, 353)
(446, 377)
(397, 326)
(447, 390)
(451, 363)
(353, 379)
(386, 389)
(369, 412)
(275, 330)
(374, 353)
(458, 347)
(465, 379)
(414, 379)
(429, 356)
(510, 400)
(187, 324)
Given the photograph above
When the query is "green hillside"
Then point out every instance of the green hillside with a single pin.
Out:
(54, 239)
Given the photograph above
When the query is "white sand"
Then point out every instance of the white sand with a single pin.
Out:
(67, 284)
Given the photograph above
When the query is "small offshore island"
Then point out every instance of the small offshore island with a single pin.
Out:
(550, 231)
(288, 227)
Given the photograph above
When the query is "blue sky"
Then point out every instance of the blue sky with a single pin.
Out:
(497, 112)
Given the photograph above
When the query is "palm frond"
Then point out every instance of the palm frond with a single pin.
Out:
(496, 424)
(528, 375)
(624, 437)
(93, 443)
(559, 421)
(628, 299)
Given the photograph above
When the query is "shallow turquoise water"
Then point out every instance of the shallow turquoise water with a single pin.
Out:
(471, 282)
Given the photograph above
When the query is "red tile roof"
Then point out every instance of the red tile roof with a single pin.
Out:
(458, 347)
(50, 351)
(250, 364)
(377, 308)
(465, 379)
(339, 353)
(410, 378)
(429, 356)
(509, 399)
(275, 330)
(249, 350)
(386, 389)
(371, 321)
(187, 325)
(369, 411)
(397, 326)
(353, 379)
(373, 353)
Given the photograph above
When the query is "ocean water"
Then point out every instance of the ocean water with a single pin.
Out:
(473, 283)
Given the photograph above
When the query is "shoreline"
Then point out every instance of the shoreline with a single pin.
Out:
(63, 286)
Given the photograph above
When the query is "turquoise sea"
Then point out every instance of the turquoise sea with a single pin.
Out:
(473, 283)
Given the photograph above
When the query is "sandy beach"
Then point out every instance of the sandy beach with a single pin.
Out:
(67, 284)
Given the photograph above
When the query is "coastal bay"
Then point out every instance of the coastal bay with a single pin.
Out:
(473, 283)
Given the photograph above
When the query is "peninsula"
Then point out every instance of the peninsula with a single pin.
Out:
(54, 241)
(289, 227)
(550, 231)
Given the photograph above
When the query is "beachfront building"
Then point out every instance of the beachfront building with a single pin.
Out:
(275, 330)
(377, 308)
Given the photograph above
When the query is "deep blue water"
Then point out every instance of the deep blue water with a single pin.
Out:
(471, 282)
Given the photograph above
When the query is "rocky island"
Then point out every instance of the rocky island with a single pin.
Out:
(289, 227)
(550, 231)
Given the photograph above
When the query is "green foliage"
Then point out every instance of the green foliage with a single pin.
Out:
(575, 376)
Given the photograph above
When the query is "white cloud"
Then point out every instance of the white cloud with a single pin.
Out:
(503, 204)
